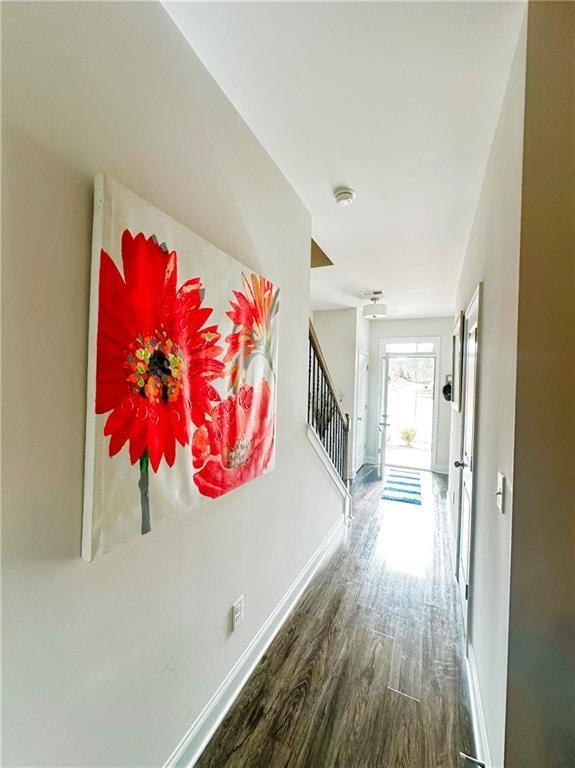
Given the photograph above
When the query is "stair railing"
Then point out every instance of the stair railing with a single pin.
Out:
(324, 410)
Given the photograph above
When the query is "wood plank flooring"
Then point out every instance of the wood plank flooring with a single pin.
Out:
(368, 670)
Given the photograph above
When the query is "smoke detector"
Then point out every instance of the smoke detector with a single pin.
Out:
(374, 310)
(344, 196)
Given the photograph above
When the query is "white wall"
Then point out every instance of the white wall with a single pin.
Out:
(362, 348)
(441, 327)
(492, 257)
(337, 332)
(363, 333)
(109, 663)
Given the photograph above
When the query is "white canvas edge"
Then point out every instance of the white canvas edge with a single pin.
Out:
(89, 442)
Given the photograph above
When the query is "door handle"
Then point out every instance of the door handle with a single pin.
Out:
(459, 464)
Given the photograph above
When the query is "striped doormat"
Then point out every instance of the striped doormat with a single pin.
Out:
(402, 485)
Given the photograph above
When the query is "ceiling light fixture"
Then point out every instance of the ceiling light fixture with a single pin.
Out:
(374, 310)
(344, 196)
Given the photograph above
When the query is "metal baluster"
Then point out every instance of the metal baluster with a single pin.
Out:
(333, 425)
(331, 404)
(325, 412)
(318, 399)
(346, 445)
(323, 408)
(339, 445)
(342, 451)
(317, 389)
(309, 365)
(328, 421)
(336, 427)
(340, 438)
(334, 436)
(329, 410)
(327, 407)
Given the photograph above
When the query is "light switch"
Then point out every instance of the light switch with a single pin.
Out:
(500, 492)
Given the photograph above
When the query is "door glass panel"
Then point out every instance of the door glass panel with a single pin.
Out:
(405, 347)
(382, 422)
(410, 393)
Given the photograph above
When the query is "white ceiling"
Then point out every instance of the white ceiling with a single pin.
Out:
(397, 100)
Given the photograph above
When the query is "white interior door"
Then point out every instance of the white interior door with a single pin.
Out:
(383, 423)
(465, 463)
(361, 419)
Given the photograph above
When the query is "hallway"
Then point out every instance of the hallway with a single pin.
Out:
(368, 670)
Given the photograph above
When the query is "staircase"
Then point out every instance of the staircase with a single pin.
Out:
(325, 415)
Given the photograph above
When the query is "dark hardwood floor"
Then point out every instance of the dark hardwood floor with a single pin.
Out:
(368, 670)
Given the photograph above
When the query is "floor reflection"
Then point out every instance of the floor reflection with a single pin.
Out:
(405, 539)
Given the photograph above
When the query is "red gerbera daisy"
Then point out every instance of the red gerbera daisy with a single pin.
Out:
(252, 314)
(236, 445)
(155, 357)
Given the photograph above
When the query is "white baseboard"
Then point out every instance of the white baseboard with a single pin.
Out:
(194, 742)
(477, 711)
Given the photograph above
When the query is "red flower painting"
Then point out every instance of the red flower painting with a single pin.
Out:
(236, 443)
(156, 358)
(181, 368)
(252, 314)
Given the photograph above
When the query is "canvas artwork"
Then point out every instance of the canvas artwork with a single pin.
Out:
(181, 373)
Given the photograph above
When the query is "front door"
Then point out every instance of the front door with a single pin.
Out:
(465, 463)
(383, 423)
(410, 410)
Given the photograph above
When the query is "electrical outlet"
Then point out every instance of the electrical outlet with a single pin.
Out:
(237, 612)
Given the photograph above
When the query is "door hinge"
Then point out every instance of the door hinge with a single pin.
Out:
(467, 591)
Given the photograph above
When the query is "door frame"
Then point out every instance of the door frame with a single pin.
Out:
(381, 417)
(364, 417)
(473, 308)
(382, 359)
